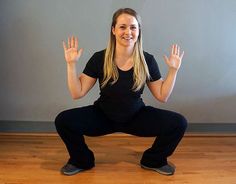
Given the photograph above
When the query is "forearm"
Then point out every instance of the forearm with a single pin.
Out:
(162, 89)
(168, 84)
(73, 81)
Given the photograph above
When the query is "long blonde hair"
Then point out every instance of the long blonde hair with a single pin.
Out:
(141, 72)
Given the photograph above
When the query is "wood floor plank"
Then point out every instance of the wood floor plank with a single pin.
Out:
(28, 159)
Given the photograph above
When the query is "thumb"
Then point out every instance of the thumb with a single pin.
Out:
(182, 55)
(64, 46)
(166, 58)
(79, 53)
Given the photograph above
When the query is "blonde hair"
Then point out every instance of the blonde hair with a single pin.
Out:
(141, 72)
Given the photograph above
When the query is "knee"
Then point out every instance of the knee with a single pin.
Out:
(182, 123)
(59, 120)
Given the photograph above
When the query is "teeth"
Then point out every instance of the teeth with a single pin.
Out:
(127, 38)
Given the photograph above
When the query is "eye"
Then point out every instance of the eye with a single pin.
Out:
(133, 27)
(122, 27)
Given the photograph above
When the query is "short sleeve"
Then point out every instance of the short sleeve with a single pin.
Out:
(153, 67)
(91, 68)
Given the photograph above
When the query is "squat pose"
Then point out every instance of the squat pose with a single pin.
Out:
(122, 70)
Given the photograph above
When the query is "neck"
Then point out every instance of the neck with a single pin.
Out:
(123, 52)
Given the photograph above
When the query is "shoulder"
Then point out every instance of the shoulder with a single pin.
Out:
(99, 54)
(152, 66)
(149, 58)
(97, 58)
(147, 55)
(94, 66)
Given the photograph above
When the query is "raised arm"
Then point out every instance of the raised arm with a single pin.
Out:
(162, 89)
(78, 86)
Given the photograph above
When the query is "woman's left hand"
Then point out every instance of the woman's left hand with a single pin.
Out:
(175, 59)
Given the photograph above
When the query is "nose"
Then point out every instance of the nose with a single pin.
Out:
(127, 31)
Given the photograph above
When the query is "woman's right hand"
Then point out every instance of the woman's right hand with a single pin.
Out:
(72, 54)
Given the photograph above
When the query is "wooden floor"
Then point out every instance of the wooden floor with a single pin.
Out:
(36, 159)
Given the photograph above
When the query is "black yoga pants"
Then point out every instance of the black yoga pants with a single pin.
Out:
(168, 127)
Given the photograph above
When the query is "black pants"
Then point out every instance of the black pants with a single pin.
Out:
(167, 126)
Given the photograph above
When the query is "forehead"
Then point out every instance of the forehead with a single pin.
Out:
(126, 19)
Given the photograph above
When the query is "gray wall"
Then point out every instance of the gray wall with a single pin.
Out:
(33, 71)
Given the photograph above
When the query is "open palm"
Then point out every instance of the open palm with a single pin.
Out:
(72, 54)
(175, 59)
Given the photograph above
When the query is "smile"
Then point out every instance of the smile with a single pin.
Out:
(130, 38)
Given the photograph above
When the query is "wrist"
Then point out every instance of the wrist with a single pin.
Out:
(71, 65)
(173, 70)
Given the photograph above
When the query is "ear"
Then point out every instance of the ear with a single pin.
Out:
(113, 30)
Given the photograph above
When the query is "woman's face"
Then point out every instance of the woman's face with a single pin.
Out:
(126, 30)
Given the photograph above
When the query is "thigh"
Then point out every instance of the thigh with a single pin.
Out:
(88, 120)
(151, 121)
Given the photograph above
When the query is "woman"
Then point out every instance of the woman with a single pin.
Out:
(122, 69)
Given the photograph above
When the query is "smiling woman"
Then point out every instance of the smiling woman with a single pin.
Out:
(123, 69)
(126, 30)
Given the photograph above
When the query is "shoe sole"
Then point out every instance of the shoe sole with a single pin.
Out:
(72, 173)
(157, 170)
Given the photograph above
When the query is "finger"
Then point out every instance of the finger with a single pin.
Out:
(173, 49)
(69, 42)
(64, 46)
(76, 43)
(73, 42)
(178, 50)
(182, 55)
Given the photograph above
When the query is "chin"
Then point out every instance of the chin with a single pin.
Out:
(130, 44)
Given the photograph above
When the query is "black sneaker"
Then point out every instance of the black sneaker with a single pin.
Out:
(70, 169)
(165, 170)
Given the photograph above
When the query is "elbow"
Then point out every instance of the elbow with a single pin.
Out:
(162, 99)
(76, 96)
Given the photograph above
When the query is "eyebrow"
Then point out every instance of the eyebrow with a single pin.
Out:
(126, 24)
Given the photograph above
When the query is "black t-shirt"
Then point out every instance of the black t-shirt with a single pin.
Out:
(118, 101)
